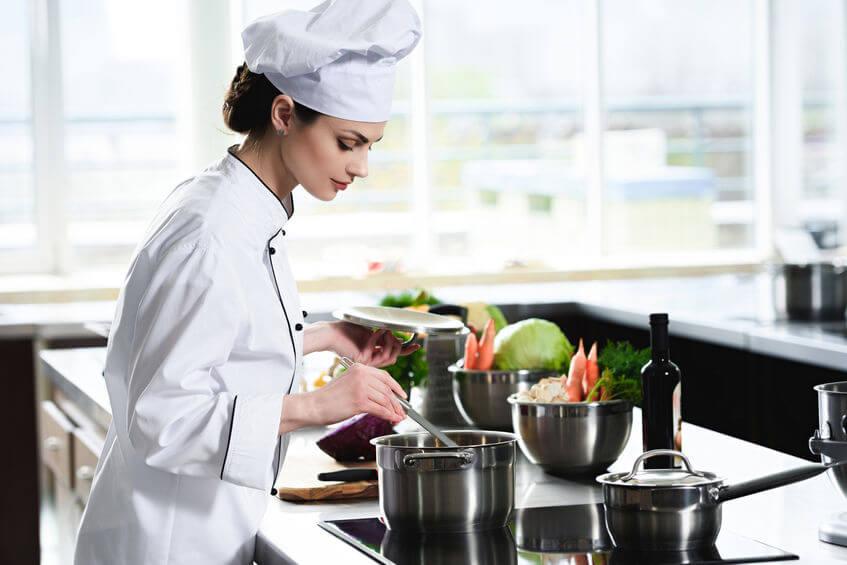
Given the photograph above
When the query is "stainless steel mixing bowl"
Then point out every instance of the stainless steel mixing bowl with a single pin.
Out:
(481, 395)
(570, 439)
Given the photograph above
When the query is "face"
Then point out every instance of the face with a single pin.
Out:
(327, 155)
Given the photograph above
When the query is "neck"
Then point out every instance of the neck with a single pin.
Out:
(264, 159)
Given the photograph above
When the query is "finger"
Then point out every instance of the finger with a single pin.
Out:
(389, 343)
(409, 349)
(386, 390)
(391, 383)
(395, 346)
(383, 357)
(382, 412)
(383, 396)
(373, 340)
(368, 351)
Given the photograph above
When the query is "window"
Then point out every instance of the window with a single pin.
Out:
(821, 63)
(121, 148)
(18, 223)
(506, 133)
(678, 144)
(544, 136)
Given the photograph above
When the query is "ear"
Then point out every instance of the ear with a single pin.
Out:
(282, 109)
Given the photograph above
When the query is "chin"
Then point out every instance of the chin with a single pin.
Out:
(323, 195)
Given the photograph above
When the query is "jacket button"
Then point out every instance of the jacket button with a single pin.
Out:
(305, 314)
(273, 492)
(271, 250)
(298, 326)
(283, 232)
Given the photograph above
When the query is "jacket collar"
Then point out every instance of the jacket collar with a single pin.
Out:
(263, 208)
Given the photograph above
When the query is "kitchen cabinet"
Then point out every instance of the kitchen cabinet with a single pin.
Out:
(70, 445)
(87, 447)
(56, 432)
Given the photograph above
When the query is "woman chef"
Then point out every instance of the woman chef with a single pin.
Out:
(208, 336)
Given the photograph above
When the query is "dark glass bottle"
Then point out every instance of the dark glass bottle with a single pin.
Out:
(661, 418)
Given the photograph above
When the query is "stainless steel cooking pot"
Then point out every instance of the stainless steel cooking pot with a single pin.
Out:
(677, 509)
(427, 487)
(811, 291)
(830, 439)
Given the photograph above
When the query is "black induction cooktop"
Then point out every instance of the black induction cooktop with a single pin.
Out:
(555, 535)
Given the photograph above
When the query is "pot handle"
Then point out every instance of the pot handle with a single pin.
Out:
(412, 459)
(658, 453)
(835, 450)
(768, 482)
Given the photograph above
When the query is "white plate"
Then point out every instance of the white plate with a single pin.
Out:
(400, 320)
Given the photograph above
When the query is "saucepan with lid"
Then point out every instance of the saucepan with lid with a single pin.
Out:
(677, 509)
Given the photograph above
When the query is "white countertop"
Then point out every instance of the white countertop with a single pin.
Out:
(786, 518)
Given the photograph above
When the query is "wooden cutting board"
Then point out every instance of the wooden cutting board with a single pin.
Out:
(298, 479)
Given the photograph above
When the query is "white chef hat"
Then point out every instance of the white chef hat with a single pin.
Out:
(339, 57)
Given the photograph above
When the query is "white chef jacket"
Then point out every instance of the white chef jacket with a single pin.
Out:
(206, 342)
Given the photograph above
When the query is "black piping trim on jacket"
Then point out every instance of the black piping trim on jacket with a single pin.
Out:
(290, 335)
(229, 437)
(246, 166)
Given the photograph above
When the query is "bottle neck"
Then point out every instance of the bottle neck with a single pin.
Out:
(659, 342)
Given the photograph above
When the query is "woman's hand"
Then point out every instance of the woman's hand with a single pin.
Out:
(375, 348)
(360, 389)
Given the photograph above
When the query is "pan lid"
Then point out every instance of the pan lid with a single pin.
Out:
(660, 477)
(400, 320)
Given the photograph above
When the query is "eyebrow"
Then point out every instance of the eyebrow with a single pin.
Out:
(361, 137)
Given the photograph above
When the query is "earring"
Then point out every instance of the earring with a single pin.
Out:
(281, 132)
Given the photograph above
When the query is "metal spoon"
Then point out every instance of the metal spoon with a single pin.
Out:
(414, 415)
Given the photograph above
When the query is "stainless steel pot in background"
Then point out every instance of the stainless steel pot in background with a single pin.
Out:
(438, 404)
(810, 291)
(482, 395)
(426, 487)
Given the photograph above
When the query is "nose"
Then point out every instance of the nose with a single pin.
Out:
(359, 166)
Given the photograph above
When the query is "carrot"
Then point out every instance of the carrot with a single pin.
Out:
(471, 349)
(592, 371)
(486, 347)
(576, 372)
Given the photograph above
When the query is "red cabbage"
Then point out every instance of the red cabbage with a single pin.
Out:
(350, 441)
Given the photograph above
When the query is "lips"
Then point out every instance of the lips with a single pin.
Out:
(339, 185)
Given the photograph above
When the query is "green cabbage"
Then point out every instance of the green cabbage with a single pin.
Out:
(532, 344)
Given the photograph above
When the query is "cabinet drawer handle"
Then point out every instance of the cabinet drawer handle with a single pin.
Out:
(85, 473)
(52, 443)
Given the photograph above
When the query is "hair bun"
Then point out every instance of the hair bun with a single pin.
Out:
(246, 107)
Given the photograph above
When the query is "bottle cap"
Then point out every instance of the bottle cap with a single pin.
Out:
(658, 318)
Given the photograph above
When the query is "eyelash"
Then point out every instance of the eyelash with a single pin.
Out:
(344, 147)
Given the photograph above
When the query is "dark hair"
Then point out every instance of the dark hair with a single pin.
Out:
(247, 104)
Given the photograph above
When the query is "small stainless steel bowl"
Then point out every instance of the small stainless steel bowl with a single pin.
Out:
(481, 395)
(572, 438)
